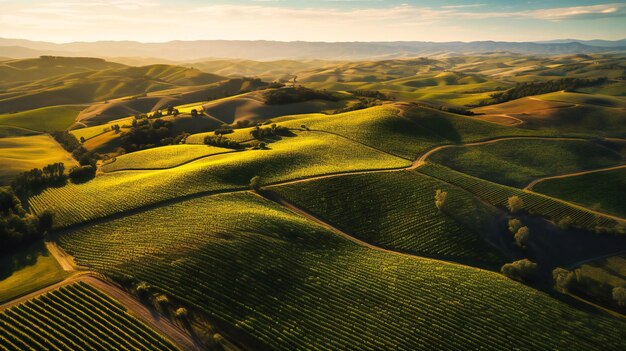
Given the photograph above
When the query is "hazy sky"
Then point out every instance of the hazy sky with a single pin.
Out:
(322, 20)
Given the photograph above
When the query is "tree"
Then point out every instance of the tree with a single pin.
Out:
(514, 225)
(82, 140)
(619, 296)
(82, 174)
(115, 128)
(440, 199)
(181, 313)
(255, 183)
(515, 203)
(563, 279)
(521, 237)
(170, 110)
(194, 113)
(522, 270)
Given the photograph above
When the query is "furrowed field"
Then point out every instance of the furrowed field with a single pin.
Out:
(293, 285)
(534, 203)
(162, 157)
(75, 317)
(604, 191)
(519, 161)
(296, 157)
(396, 210)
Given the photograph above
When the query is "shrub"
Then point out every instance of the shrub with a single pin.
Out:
(563, 279)
(514, 225)
(255, 183)
(440, 199)
(181, 313)
(521, 237)
(619, 296)
(522, 270)
(515, 203)
(82, 174)
(565, 222)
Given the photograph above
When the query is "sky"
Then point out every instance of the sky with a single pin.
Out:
(322, 20)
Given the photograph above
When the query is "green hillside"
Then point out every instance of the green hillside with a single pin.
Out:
(516, 162)
(396, 210)
(261, 270)
(604, 191)
(51, 118)
(305, 155)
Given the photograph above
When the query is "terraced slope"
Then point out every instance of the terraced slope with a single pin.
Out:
(75, 317)
(162, 157)
(290, 284)
(305, 155)
(604, 191)
(396, 210)
(517, 162)
(21, 154)
(534, 203)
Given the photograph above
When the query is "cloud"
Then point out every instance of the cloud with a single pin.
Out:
(462, 6)
(150, 20)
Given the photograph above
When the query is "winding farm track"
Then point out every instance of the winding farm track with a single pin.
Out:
(567, 175)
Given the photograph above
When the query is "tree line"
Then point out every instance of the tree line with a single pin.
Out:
(19, 228)
(537, 88)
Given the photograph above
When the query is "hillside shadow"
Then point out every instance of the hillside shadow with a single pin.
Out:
(25, 257)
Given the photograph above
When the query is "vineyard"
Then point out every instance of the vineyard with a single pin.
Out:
(405, 133)
(517, 162)
(302, 156)
(396, 210)
(162, 157)
(604, 191)
(290, 284)
(75, 317)
(534, 203)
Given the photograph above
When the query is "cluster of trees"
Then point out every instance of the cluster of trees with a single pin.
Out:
(523, 270)
(372, 94)
(535, 88)
(145, 134)
(34, 181)
(69, 142)
(269, 132)
(567, 281)
(521, 233)
(296, 94)
(224, 129)
(222, 141)
(17, 227)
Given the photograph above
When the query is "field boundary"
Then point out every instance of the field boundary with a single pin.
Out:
(574, 174)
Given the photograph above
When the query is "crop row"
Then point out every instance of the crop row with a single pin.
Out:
(292, 285)
(396, 210)
(291, 158)
(534, 203)
(516, 162)
(75, 317)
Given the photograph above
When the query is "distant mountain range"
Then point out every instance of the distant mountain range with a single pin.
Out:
(273, 50)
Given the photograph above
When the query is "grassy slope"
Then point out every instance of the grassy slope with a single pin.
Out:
(162, 157)
(397, 211)
(293, 285)
(9, 131)
(517, 162)
(306, 155)
(21, 154)
(76, 317)
(604, 191)
(27, 271)
(51, 118)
